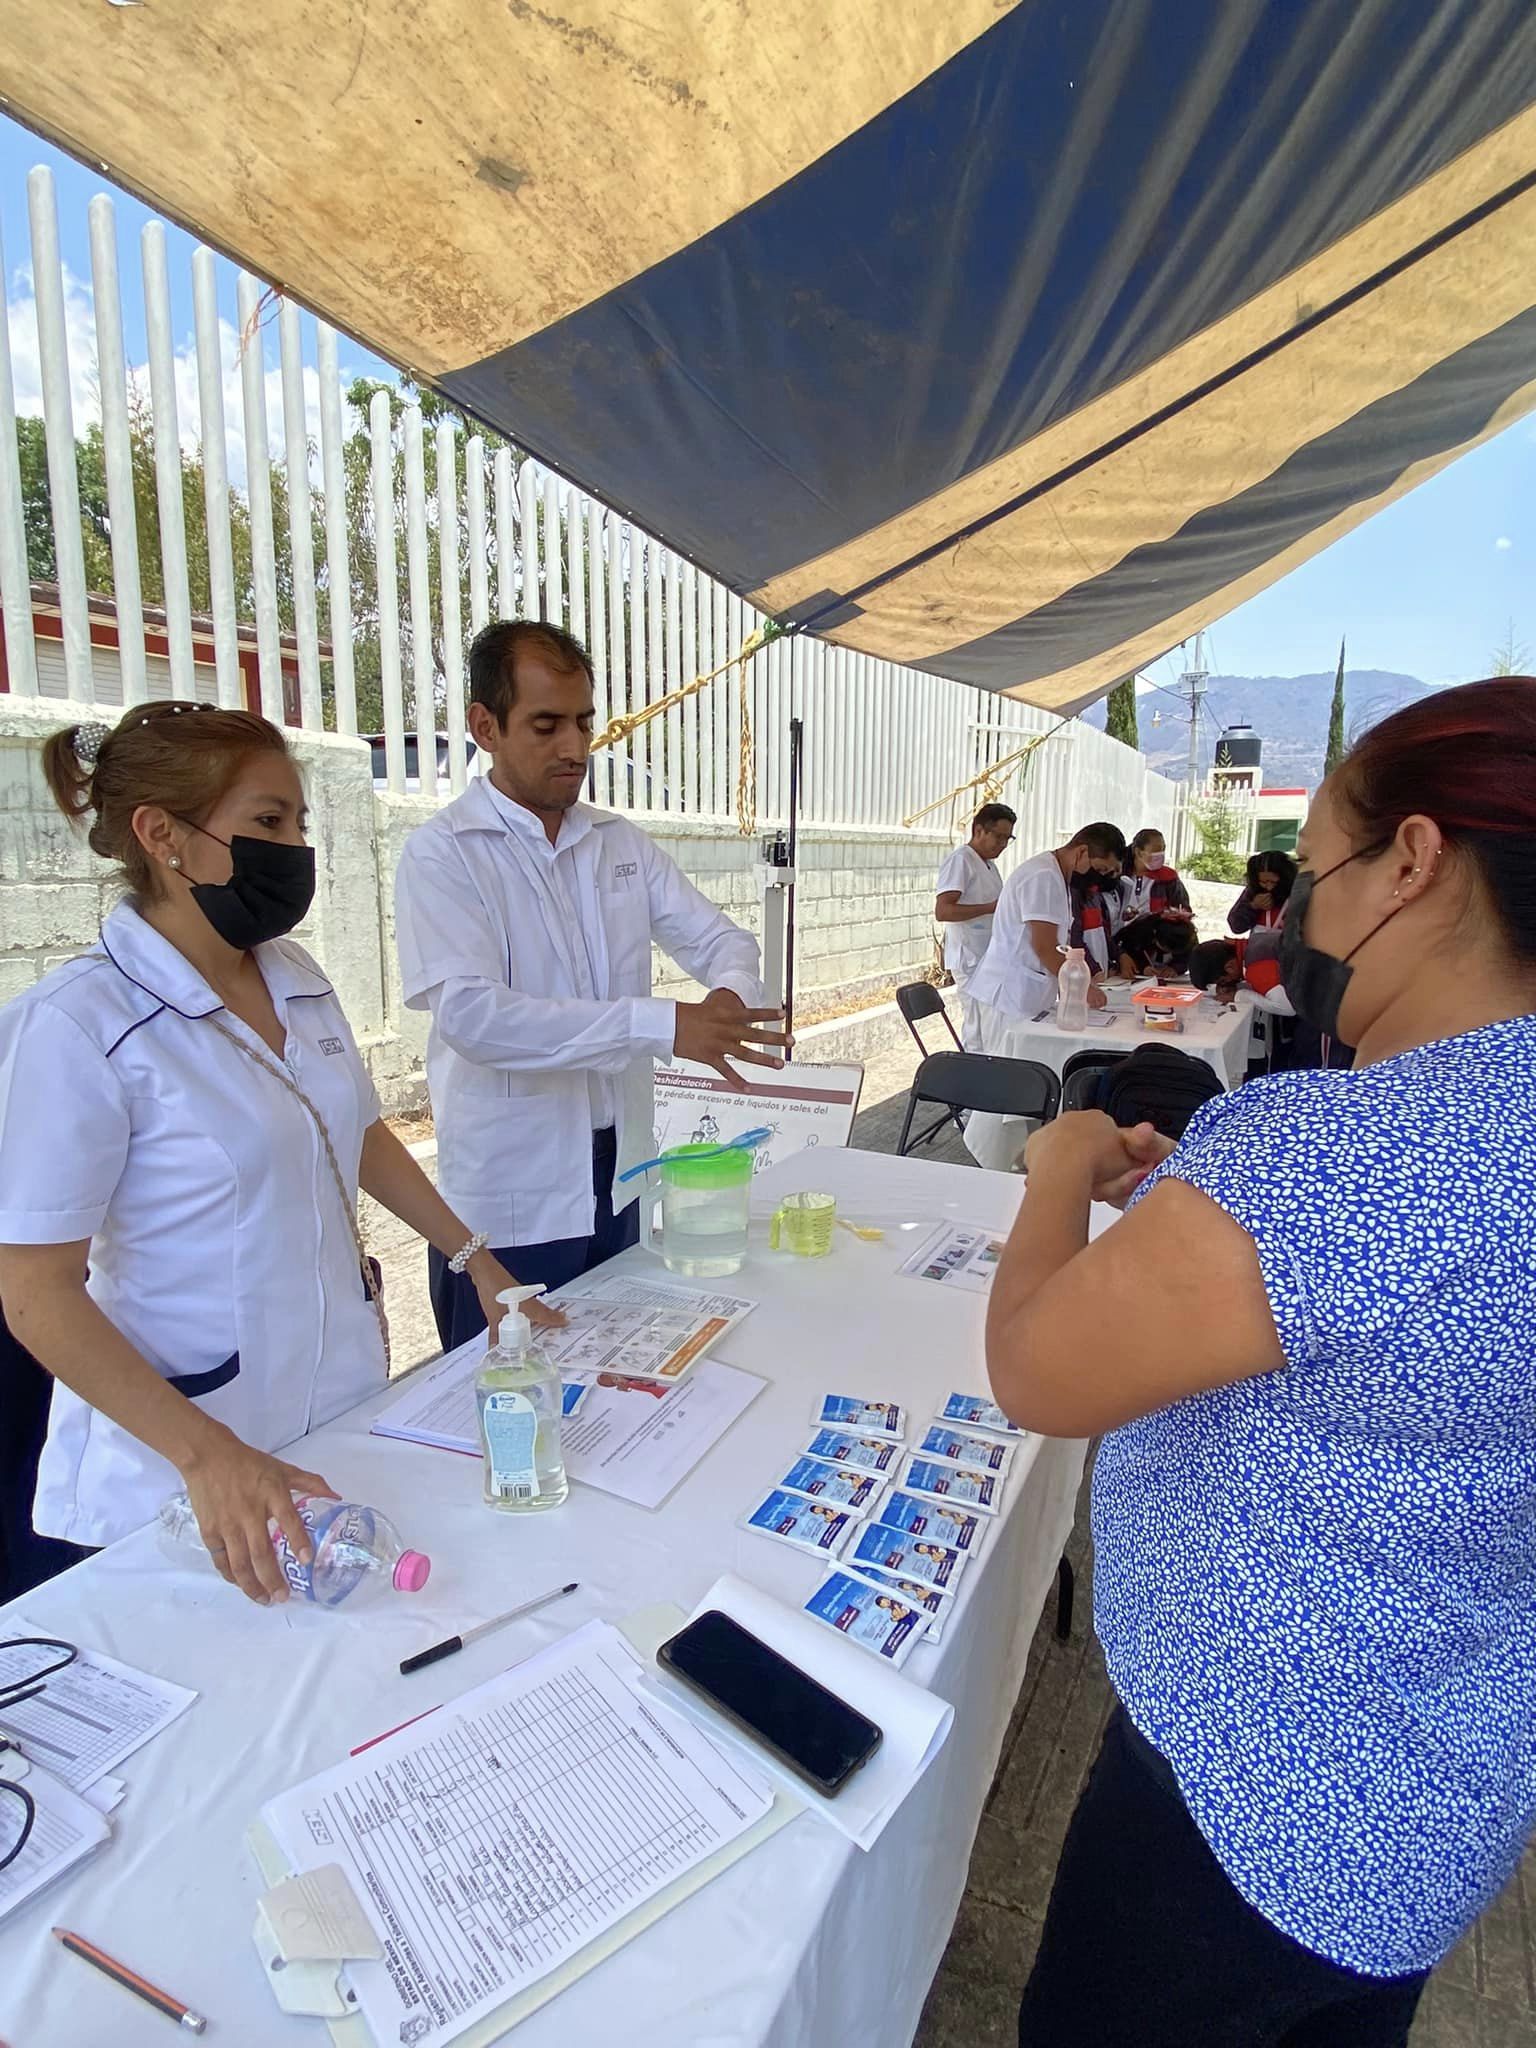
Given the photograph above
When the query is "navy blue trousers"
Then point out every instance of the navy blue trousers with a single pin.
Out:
(455, 1303)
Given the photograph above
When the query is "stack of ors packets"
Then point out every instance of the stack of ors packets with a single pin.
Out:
(902, 1524)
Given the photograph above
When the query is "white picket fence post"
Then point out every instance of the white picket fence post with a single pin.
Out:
(881, 741)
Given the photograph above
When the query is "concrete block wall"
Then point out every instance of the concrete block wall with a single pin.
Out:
(864, 901)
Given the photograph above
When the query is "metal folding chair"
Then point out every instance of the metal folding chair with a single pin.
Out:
(919, 999)
(1081, 1075)
(977, 1080)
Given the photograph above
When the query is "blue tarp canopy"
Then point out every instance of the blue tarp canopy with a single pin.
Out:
(1014, 342)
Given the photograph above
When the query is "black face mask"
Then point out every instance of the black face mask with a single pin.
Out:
(268, 892)
(1315, 981)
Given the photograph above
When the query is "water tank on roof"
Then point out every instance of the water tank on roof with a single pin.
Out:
(1239, 747)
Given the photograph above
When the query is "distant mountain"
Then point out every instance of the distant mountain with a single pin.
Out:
(1289, 713)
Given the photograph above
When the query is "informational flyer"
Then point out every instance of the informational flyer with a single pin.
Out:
(802, 1106)
(638, 1329)
(959, 1255)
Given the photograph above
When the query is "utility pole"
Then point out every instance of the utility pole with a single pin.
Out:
(1193, 682)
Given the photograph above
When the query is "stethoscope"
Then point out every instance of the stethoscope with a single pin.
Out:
(12, 1693)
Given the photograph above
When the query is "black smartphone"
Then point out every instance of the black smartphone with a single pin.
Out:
(820, 1737)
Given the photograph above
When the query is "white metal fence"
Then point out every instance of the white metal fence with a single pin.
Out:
(337, 585)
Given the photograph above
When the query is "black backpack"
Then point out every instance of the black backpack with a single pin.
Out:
(1157, 1085)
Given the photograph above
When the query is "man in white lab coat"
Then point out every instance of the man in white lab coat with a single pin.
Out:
(524, 920)
(968, 889)
(1032, 928)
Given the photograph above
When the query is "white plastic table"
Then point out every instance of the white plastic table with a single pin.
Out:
(806, 1942)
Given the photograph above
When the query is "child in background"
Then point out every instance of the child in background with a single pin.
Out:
(1155, 945)
(1149, 887)
(1261, 907)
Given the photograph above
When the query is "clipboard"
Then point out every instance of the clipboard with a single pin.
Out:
(646, 1630)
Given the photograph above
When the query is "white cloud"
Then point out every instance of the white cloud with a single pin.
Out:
(85, 391)
(1503, 543)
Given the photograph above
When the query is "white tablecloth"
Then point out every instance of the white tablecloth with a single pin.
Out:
(805, 1943)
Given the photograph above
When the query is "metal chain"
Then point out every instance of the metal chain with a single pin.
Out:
(348, 1207)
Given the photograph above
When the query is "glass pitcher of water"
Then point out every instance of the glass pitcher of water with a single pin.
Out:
(704, 1195)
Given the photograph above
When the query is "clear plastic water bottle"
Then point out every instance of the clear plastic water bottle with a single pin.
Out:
(1072, 991)
(355, 1548)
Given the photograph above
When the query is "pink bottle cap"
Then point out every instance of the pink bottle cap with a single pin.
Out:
(412, 1572)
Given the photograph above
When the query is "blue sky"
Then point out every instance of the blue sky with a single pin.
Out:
(1428, 587)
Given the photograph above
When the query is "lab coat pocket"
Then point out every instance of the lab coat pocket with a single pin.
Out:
(192, 1384)
(627, 932)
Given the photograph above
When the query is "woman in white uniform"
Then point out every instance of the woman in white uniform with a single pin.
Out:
(186, 1124)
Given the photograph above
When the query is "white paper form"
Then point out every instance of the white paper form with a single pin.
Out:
(65, 1828)
(90, 1715)
(957, 1255)
(492, 1841)
(637, 1443)
(641, 1448)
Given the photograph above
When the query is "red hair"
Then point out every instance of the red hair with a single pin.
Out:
(1465, 757)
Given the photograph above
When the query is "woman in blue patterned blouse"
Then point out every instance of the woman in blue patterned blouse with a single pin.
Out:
(1315, 1504)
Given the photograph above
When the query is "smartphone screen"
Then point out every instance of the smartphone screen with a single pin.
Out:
(819, 1736)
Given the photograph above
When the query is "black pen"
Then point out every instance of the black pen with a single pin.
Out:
(450, 1644)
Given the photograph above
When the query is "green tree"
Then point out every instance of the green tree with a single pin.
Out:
(1120, 713)
(1335, 752)
(357, 464)
(1218, 858)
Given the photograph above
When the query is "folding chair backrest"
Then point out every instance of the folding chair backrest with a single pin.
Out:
(919, 999)
(1082, 1075)
(975, 1080)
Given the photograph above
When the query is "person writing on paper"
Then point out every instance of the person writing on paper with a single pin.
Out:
(187, 1123)
(969, 886)
(1032, 929)
(525, 920)
(1155, 945)
(1315, 1576)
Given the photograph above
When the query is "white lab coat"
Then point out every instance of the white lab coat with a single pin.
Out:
(219, 1244)
(1010, 978)
(978, 881)
(535, 963)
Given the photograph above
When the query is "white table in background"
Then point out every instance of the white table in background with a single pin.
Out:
(805, 1943)
(1218, 1035)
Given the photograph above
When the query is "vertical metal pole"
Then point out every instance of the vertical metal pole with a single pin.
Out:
(221, 558)
(58, 418)
(796, 737)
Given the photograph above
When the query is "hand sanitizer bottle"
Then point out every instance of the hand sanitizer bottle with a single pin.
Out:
(519, 1399)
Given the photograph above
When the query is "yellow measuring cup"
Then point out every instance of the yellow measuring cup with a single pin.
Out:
(803, 1224)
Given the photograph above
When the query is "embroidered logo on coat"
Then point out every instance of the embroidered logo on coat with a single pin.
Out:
(331, 1046)
(624, 869)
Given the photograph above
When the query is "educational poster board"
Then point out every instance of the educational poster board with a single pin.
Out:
(803, 1106)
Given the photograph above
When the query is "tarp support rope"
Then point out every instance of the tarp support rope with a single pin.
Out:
(989, 782)
(627, 722)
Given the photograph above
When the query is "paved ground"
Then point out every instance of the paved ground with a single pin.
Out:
(1483, 1996)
